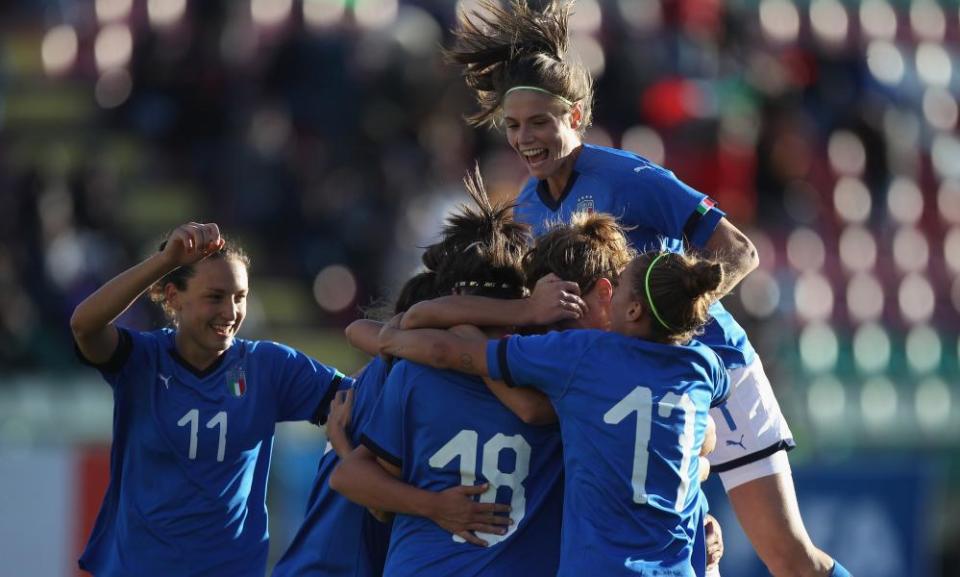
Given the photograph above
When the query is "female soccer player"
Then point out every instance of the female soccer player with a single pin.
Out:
(516, 61)
(194, 414)
(436, 429)
(631, 500)
(338, 537)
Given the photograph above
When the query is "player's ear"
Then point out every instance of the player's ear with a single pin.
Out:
(635, 311)
(604, 290)
(576, 115)
(171, 296)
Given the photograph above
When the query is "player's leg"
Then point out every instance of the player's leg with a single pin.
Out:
(751, 459)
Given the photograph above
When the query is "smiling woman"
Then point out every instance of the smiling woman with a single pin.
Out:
(186, 498)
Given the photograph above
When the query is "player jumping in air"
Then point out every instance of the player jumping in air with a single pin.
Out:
(516, 61)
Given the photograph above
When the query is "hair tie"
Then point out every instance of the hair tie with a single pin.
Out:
(646, 283)
(541, 90)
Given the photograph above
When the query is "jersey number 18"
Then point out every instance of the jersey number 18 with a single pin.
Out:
(465, 445)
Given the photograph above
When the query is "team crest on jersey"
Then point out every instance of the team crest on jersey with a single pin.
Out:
(585, 204)
(237, 381)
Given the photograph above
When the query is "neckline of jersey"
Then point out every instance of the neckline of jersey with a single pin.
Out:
(200, 374)
(543, 191)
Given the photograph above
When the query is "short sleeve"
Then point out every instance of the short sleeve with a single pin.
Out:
(131, 352)
(658, 200)
(305, 386)
(383, 432)
(367, 390)
(544, 362)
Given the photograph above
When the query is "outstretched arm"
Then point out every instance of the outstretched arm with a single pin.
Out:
(436, 348)
(363, 334)
(92, 320)
(365, 479)
(553, 300)
(735, 250)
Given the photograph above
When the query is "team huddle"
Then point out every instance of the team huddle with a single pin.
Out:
(545, 401)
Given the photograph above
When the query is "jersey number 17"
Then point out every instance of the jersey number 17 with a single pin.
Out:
(640, 401)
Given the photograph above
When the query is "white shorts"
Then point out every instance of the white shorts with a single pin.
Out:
(752, 434)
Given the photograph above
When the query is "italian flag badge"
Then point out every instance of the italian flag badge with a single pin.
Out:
(237, 382)
(705, 205)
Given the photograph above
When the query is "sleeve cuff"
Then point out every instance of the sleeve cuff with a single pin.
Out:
(699, 227)
(119, 357)
(380, 451)
(497, 364)
(323, 408)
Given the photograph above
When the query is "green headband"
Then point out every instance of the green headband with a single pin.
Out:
(646, 284)
(541, 90)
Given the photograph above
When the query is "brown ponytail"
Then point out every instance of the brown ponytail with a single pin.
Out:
(681, 290)
(591, 247)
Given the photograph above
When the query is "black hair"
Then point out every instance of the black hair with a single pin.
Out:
(482, 247)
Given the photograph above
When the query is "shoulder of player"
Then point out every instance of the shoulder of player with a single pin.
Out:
(702, 354)
(620, 165)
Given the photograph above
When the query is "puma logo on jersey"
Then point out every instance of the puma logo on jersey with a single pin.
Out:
(641, 168)
(165, 379)
(736, 443)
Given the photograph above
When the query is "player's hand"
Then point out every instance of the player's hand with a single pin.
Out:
(455, 511)
(382, 516)
(704, 469)
(714, 535)
(191, 242)
(554, 300)
(709, 437)
(338, 421)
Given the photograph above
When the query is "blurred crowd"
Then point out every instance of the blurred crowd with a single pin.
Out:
(328, 136)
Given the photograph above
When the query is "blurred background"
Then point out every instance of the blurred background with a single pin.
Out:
(327, 136)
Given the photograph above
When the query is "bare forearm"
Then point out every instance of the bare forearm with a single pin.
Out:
(446, 312)
(363, 481)
(363, 334)
(436, 348)
(532, 407)
(734, 271)
(109, 301)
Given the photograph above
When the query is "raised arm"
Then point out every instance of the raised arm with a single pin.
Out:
(373, 483)
(92, 320)
(732, 248)
(553, 300)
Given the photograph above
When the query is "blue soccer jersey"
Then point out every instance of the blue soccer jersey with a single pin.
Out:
(339, 538)
(633, 415)
(443, 429)
(191, 452)
(659, 209)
